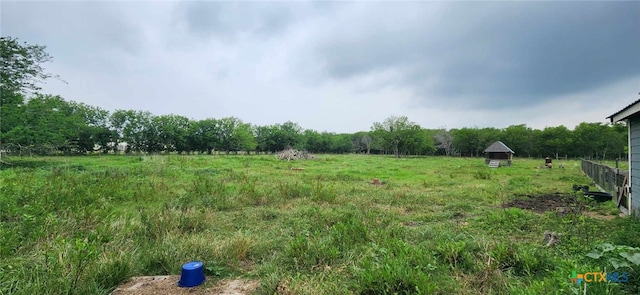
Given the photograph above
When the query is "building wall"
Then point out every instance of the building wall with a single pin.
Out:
(634, 163)
(499, 156)
(504, 158)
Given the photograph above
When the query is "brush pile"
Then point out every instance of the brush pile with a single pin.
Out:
(291, 154)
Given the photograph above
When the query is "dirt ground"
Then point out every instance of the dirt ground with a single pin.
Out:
(561, 203)
(558, 202)
(169, 285)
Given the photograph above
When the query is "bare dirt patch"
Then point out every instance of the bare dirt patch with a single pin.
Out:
(556, 202)
(169, 285)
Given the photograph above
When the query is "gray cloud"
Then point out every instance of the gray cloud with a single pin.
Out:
(506, 53)
(230, 20)
(87, 34)
(340, 66)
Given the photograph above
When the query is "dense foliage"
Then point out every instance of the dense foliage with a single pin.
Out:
(46, 124)
(43, 124)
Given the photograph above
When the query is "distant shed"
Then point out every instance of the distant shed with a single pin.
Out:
(498, 151)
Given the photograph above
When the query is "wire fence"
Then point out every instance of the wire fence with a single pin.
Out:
(611, 180)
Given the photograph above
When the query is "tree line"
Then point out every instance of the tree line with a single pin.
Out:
(40, 124)
(45, 124)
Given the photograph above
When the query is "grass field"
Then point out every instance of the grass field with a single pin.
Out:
(84, 225)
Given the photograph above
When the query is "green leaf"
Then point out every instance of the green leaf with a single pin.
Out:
(595, 254)
(617, 263)
(633, 258)
(606, 247)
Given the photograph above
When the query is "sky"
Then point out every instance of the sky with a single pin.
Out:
(340, 66)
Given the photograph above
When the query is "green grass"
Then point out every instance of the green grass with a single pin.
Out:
(83, 225)
(622, 164)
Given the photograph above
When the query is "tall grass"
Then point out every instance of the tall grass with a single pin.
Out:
(84, 225)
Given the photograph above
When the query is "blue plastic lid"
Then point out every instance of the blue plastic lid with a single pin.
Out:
(192, 265)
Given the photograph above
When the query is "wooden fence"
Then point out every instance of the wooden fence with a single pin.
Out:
(611, 180)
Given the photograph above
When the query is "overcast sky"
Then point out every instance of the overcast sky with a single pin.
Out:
(340, 66)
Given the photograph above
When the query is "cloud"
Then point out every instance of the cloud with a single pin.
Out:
(340, 66)
(232, 20)
(486, 55)
(72, 27)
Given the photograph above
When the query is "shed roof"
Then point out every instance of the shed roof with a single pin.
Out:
(626, 112)
(498, 147)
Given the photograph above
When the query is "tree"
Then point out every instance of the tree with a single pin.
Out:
(103, 136)
(396, 134)
(205, 135)
(96, 131)
(426, 144)
(444, 141)
(619, 139)
(21, 65)
(183, 127)
(487, 136)
(172, 132)
(135, 128)
(244, 138)
(150, 140)
(555, 141)
(288, 135)
(466, 141)
(20, 71)
(338, 143)
(312, 141)
(262, 134)
(191, 137)
(599, 141)
(361, 142)
(366, 140)
(47, 123)
(327, 142)
(234, 135)
(278, 137)
(11, 110)
(227, 141)
(519, 138)
(534, 145)
(415, 141)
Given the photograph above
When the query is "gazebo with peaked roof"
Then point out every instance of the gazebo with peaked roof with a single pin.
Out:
(498, 151)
